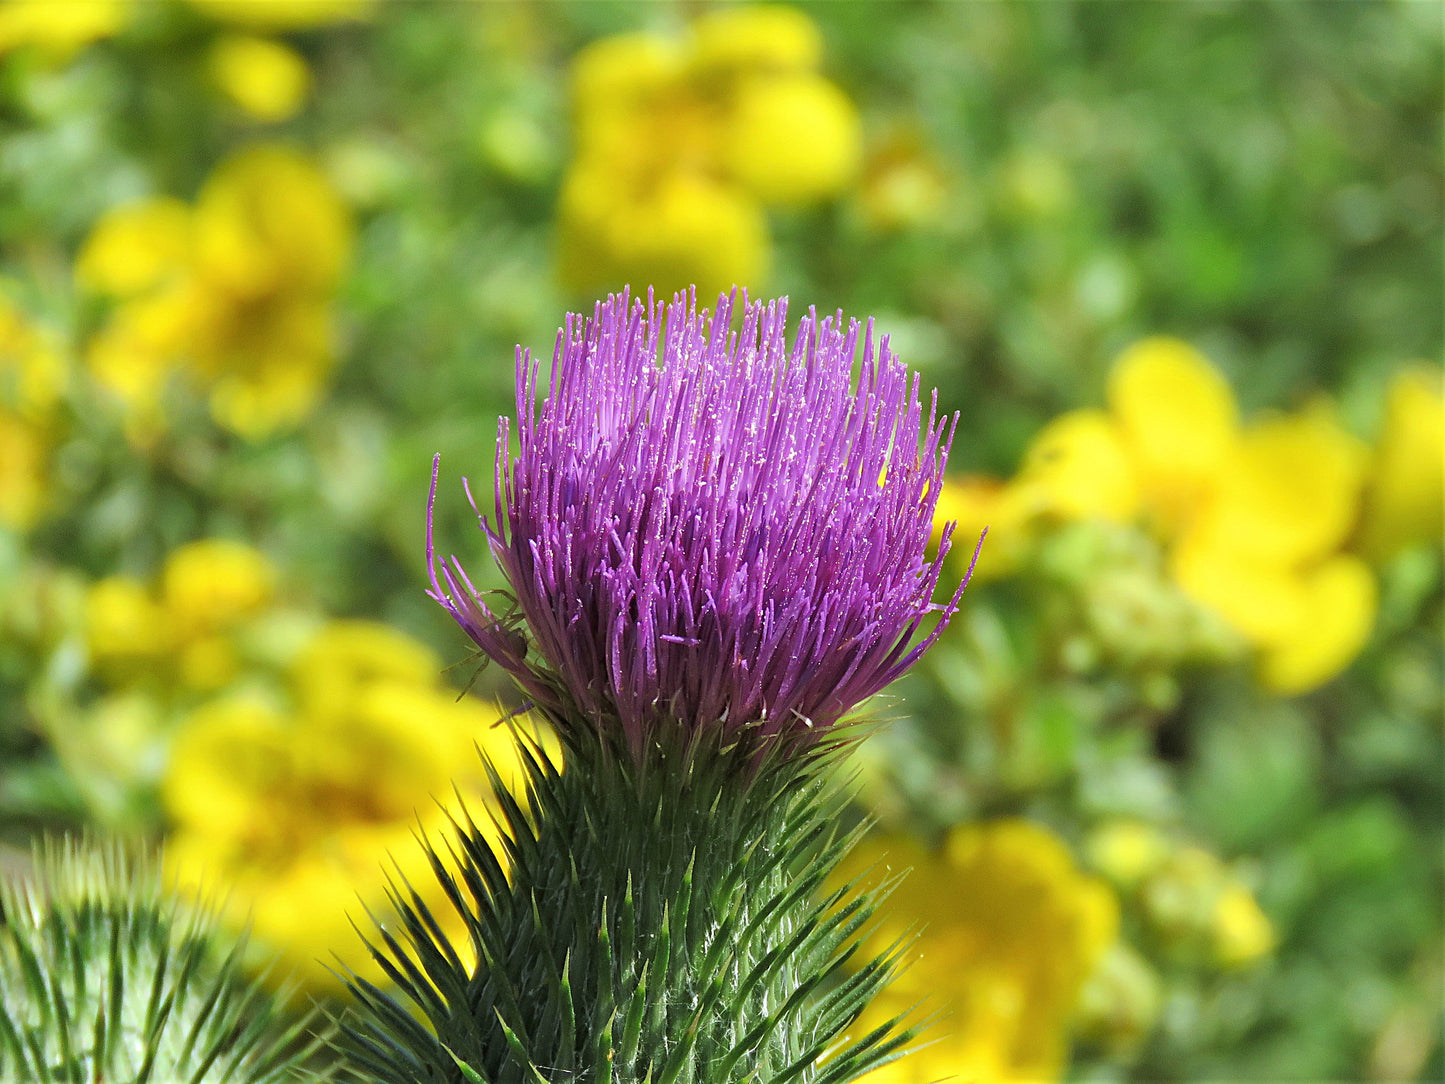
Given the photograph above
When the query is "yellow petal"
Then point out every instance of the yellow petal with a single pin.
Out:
(268, 219)
(59, 27)
(757, 36)
(1340, 599)
(792, 138)
(265, 79)
(1261, 600)
(135, 247)
(623, 71)
(1242, 931)
(346, 657)
(974, 503)
(688, 229)
(1010, 930)
(1405, 495)
(1289, 492)
(1179, 422)
(284, 14)
(123, 621)
(229, 762)
(1078, 466)
(213, 583)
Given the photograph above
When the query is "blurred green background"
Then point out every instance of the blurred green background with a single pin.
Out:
(260, 260)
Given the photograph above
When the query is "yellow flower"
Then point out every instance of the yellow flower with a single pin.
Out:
(755, 37)
(1243, 933)
(689, 228)
(680, 140)
(284, 14)
(792, 139)
(1010, 931)
(1127, 851)
(1405, 496)
(214, 583)
(299, 816)
(136, 247)
(265, 79)
(345, 657)
(268, 220)
(1179, 422)
(58, 28)
(1263, 551)
(236, 292)
(123, 623)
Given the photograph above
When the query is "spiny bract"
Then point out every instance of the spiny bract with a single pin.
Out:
(105, 979)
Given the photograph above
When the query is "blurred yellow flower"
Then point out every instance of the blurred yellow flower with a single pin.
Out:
(755, 37)
(58, 28)
(791, 138)
(136, 247)
(1263, 550)
(182, 632)
(266, 80)
(213, 583)
(347, 656)
(1288, 492)
(689, 228)
(1075, 468)
(298, 814)
(284, 14)
(679, 141)
(123, 622)
(1243, 933)
(1126, 851)
(1338, 599)
(1178, 419)
(235, 292)
(1405, 494)
(23, 462)
(1010, 931)
(1255, 518)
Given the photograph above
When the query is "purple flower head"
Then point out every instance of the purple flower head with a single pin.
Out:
(705, 526)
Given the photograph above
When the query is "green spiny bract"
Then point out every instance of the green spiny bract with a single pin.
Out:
(104, 979)
(666, 921)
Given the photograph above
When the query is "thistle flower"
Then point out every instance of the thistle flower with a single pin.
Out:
(708, 526)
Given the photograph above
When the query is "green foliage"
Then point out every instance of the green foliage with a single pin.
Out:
(106, 980)
(667, 921)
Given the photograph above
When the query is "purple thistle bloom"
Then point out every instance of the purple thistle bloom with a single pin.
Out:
(728, 535)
